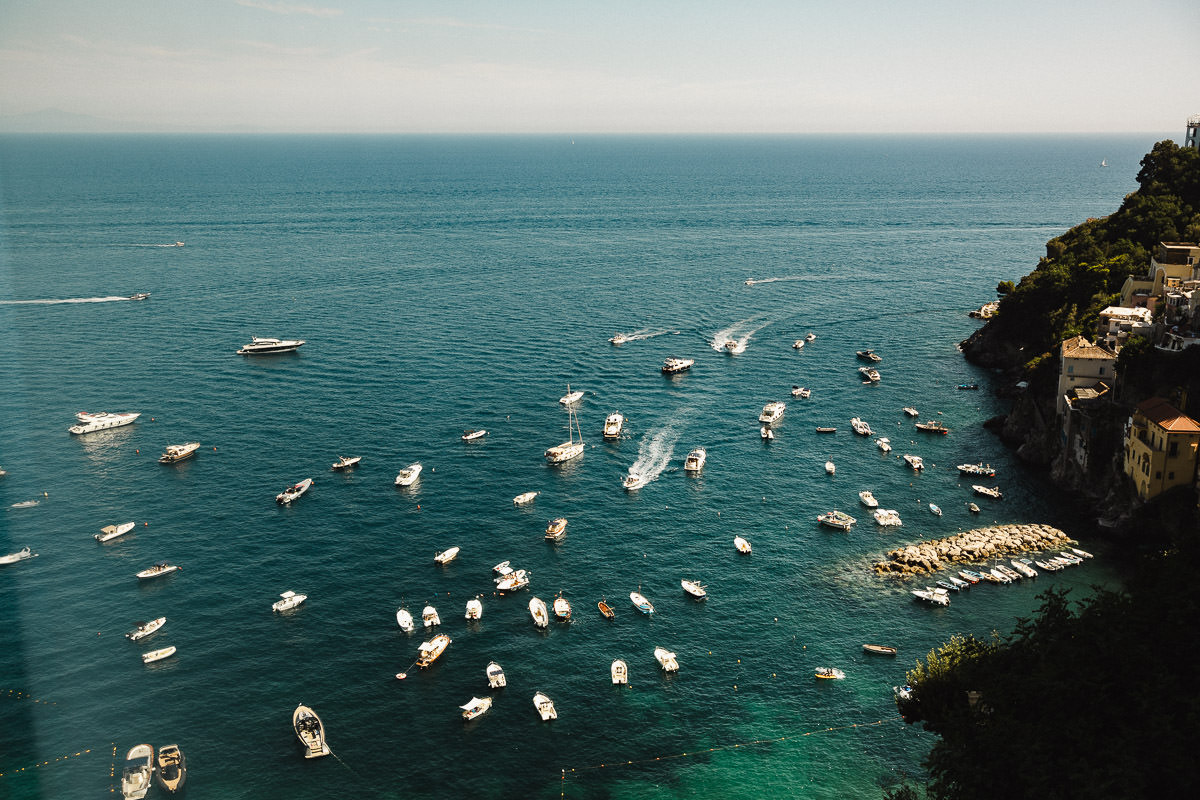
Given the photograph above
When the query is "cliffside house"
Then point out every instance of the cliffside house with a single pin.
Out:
(1172, 267)
(1082, 364)
(1160, 448)
(1118, 323)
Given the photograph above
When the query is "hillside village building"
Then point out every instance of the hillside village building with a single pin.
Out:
(1160, 448)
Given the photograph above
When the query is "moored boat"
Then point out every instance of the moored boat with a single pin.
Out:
(495, 676)
(475, 707)
(158, 655)
(674, 365)
(447, 555)
(766, 433)
(619, 672)
(836, 519)
(867, 499)
(742, 545)
(870, 374)
(408, 476)
(666, 659)
(292, 492)
(605, 609)
(614, 423)
(138, 770)
(571, 397)
(161, 568)
(910, 411)
(999, 576)
(860, 427)
(472, 434)
(144, 629)
(432, 650)
(525, 498)
(260, 346)
(404, 619)
(519, 579)
(868, 355)
(880, 649)
(932, 426)
(545, 707)
(1023, 568)
(811, 337)
(798, 344)
(887, 517)
(985, 491)
(968, 386)
(178, 452)
(556, 530)
(935, 509)
(641, 603)
(974, 509)
(772, 412)
(830, 468)
(101, 421)
(916, 462)
(1081, 553)
(346, 463)
(474, 608)
(694, 588)
(977, 469)
(288, 600)
(562, 608)
(801, 392)
(429, 617)
(695, 460)
(970, 575)
(172, 768)
(310, 731)
(884, 443)
(937, 597)
(569, 449)
(829, 673)
(110, 532)
(537, 610)
(826, 429)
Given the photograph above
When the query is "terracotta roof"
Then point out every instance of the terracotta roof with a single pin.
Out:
(1167, 416)
(1079, 347)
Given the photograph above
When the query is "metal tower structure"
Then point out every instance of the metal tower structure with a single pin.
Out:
(1192, 139)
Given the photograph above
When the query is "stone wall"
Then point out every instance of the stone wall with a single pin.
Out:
(971, 547)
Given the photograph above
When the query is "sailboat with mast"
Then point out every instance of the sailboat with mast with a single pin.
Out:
(571, 448)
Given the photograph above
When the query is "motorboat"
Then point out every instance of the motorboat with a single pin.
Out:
(1074, 559)
(772, 412)
(614, 423)
(694, 588)
(408, 476)
(562, 608)
(861, 427)
(666, 659)
(172, 768)
(476, 707)
(641, 603)
(886, 517)
(102, 421)
(1046, 565)
(993, 492)
(404, 619)
(974, 509)
(950, 587)
(495, 676)
(25, 504)
(432, 650)
(620, 672)
(344, 462)
(178, 452)
(837, 519)
(937, 597)
(545, 707)
(811, 337)
(830, 468)
(798, 344)
(801, 392)
(605, 609)
(619, 338)
(958, 583)
(429, 617)
(556, 531)
(1081, 553)
(472, 435)
(569, 449)
(766, 433)
(674, 365)
(158, 655)
(968, 386)
(880, 649)
(829, 673)
(870, 374)
(474, 608)
(161, 568)
(310, 731)
(511, 583)
(884, 444)
(288, 600)
(826, 429)
(998, 576)
(503, 568)
(570, 397)
(932, 426)
(631, 481)
(970, 576)
(525, 498)
(292, 492)
(742, 545)
(537, 610)
(261, 346)
(935, 509)
(868, 355)
(110, 532)
(144, 629)
(1009, 571)
(868, 499)
(138, 770)
(916, 462)
(912, 412)
(732, 346)
(977, 469)
(695, 460)
(140, 296)
(1024, 569)
(447, 555)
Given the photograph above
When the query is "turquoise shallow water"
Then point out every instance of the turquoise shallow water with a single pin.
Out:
(453, 283)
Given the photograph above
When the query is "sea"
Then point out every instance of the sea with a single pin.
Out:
(446, 283)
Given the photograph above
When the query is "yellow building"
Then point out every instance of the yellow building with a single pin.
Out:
(1160, 448)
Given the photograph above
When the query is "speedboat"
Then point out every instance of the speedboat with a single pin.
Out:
(837, 519)
(288, 600)
(880, 649)
(674, 365)
(510, 583)
(731, 345)
(495, 676)
(829, 673)
(503, 568)
(260, 346)
(798, 344)
(613, 424)
(525, 498)
(632, 481)
(860, 427)
(569, 449)
(110, 532)
(694, 588)
(446, 556)
(998, 575)
(977, 469)
(144, 629)
(178, 452)
(292, 492)
(172, 768)
(408, 476)
(537, 610)
(545, 707)
(619, 338)
(937, 597)
(886, 517)
(695, 460)
(605, 609)
(556, 531)
(25, 504)
(885, 444)
(102, 421)
(970, 576)
(1081, 553)
(868, 499)
(619, 672)
(1071, 557)
(1023, 568)
(158, 655)
(994, 492)
(766, 433)
(801, 392)
(571, 397)
(161, 568)
(741, 544)
(772, 412)
(140, 296)
(429, 617)
(345, 463)
(916, 462)
(974, 509)
(666, 659)
(830, 468)
(912, 412)
(562, 608)
(1009, 571)
(811, 337)
(310, 731)
(968, 386)
(474, 608)
(868, 355)
(139, 767)
(952, 587)
(932, 426)
(472, 435)
(430, 651)
(641, 603)
(870, 374)
(477, 707)
(933, 508)
(404, 619)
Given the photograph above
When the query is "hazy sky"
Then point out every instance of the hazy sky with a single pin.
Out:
(607, 66)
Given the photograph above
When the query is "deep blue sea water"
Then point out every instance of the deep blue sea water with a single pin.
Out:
(449, 283)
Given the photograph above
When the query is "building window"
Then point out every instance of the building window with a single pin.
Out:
(1173, 450)
(1170, 476)
(1102, 370)
(1157, 475)
(1070, 369)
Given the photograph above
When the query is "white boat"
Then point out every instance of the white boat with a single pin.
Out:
(916, 462)
(870, 374)
(884, 443)
(537, 610)
(288, 600)
(619, 338)
(977, 469)
(741, 544)
(1081, 553)
(25, 504)
(525, 498)
(310, 731)
(937, 597)
(476, 707)
(447, 555)
(172, 768)
(570, 448)
(429, 617)
(474, 608)
(263, 346)
(161, 568)
(801, 392)
(619, 672)
(868, 499)
(562, 608)
(144, 295)
(614, 423)
(674, 365)
(695, 460)
(432, 650)
(887, 517)
(641, 603)
(503, 568)
(556, 531)
(983, 490)
(510, 583)
(912, 412)
(292, 492)
(694, 588)
(495, 676)
(110, 532)
(178, 452)
(666, 659)
(631, 482)
(1024, 569)
(830, 468)
(404, 619)
(138, 770)
(798, 344)
(772, 412)
(811, 337)
(869, 355)
(974, 509)
(345, 463)
(545, 707)
(144, 629)
(158, 655)
(732, 346)
(860, 427)
(571, 397)
(472, 435)
(20, 555)
(766, 433)
(935, 509)
(836, 519)
(408, 476)
(102, 421)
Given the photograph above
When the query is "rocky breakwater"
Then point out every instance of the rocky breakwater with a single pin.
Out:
(976, 545)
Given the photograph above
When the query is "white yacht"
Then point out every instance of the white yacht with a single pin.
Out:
(666, 659)
(569, 449)
(139, 769)
(830, 468)
(912, 412)
(937, 597)
(346, 463)
(432, 650)
(158, 655)
(556, 529)
(503, 568)
(741, 544)
(695, 460)
(102, 421)
(885, 444)
(916, 462)
(292, 492)
(801, 392)
(886, 517)
(404, 619)
(562, 608)
(510, 583)
(537, 610)
(674, 365)
(144, 629)
(570, 398)
(993, 492)
(474, 608)
(408, 476)
(614, 423)
(545, 707)
(632, 481)
(140, 295)
(161, 568)
(447, 555)
(870, 374)
(694, 588)
(525, 498)
(262, 346)
(619, 672)
(860, 427)
(477, 707)
(430, 617)
(110, 532)
(868, 499)
(766, 433)
(178, 452)
(310, 731)
(772, 412)
(288, 600)
(836, 519)
(495, 676)
(473, 434)
(20, 555)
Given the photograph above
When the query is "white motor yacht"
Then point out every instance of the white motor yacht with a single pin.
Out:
(525, 498)
(993, 492)
(666, 659)
(562, 608)
(571, 397)
(430, 617)
(545, 707)
(885, 444)
(887, 517)
(861, 427)
(310, 731)
(172, 768)
(916, 462)
(912, 412)
(694, 588)
(503, 568)
(836, 519)
(161, 568)
(102, 421)
(772, 412)
(556, 530)
(139, 769)
(937, 597)
(614, 423)
(447, 555)
(292, 492)
(537, 610)
(144, 629)
(631, 482)
(145, 295)
(766, 433)
(495, 676)
(868, 499)
(288, 600)
(346, 463)
(674, 365)
(798, 344)
(408, 476)
(571, 448)
(801, 392)
(110, 532)
(404, 619)
(472, 435)
(432, 650)
(476, 707)
(619, 672)
(474, 608)
(619, 338)
(178, 452)
(158, 655)
(511, 583)
(695, 460)
(260, 346)
(870, 374)
(741, 544)
(830, 468)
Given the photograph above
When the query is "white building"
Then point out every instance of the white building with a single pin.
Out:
(1118, 323)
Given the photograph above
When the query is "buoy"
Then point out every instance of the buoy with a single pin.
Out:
(145, 524)
(401, 676)
(137, 451)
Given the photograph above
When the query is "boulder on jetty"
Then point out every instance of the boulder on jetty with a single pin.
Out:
(980, 544)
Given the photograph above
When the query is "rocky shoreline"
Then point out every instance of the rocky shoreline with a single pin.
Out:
(973, 546)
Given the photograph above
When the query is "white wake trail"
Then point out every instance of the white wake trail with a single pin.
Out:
(739, 333)
(654, 454)
(111, 299)
(756, 281)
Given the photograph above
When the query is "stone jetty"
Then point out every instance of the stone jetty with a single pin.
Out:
(973, 546)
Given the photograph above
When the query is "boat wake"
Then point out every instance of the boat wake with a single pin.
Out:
(739, 333)
(647, 333)
(112, 299)
(172, 244)
(756, 281)
(654, 454)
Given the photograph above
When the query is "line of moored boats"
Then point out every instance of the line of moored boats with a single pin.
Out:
(1014, 570)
